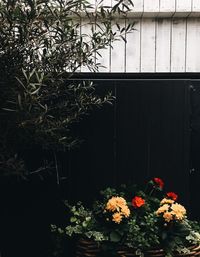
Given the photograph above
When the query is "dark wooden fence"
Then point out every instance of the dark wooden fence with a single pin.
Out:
(145, 134)
(151, 130)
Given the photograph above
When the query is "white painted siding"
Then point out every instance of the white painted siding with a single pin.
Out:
(193, 43)
(133, 60)
(118, 53)
(178, 45)
(163, 45)
(157, 45)
(148, 45)
(166, 39)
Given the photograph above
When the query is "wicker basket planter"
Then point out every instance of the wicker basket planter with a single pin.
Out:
(86, 247)
(127, 252)
(89, 248)
(194, 252)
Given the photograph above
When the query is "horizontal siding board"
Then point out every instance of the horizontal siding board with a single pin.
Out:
(178, 45)
(133, 49)
(193, 43)
(148, 45)
(163, 33)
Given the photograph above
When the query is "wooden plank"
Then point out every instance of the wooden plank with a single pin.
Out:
(103, 58)
(133, 49)
(163, 32)
(151, 8)
(86, 32)
(196, 6)
(148, 45)
(178, 45)
(193, 43)
(108, 2)
(167, 8)
(138, 8)
(183, 8)
(118, 51)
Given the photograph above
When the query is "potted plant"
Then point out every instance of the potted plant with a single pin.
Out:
(131, 222)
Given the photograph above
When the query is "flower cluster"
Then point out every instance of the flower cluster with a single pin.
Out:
(118, 206)
(170, 210)
(140, 218)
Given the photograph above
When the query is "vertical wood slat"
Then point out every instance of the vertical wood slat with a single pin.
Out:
(118, 52)
(138, 7)
(196, 6)
(148, 45)
(193, 42)
(163, 33)
(183, 5)
(167, 7)
(86, 32)
(183, 8)
(151, 7)
(133, 48)
(178, 47)
(103, 57)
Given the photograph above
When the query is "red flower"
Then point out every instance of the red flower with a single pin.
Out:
(172, 196)
(138, 201)
(159, 182)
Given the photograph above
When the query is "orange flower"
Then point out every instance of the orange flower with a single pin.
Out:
(172, 196)
(159, 182)
(138, 201)
(117, 217)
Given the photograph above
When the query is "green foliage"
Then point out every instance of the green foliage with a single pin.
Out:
(145, 227)
(83, 223)
(41, 47)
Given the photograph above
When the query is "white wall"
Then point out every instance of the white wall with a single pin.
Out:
(166, 39)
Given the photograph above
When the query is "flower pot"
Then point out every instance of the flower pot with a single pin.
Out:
(194, 252)
(154, 253)
(86, 247)
(127, 252)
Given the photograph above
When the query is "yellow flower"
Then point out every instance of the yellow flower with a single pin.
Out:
(162, 209)
(168, 216)
(120, 202)
(116, 203)
(125, 211)
(111, 204)
(168, 201)
(178, 211)
(117, 217)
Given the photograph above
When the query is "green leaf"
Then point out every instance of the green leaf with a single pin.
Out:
(115, 237)
(73, 219)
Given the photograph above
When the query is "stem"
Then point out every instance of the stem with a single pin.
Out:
(151, 192)
(57, 171)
